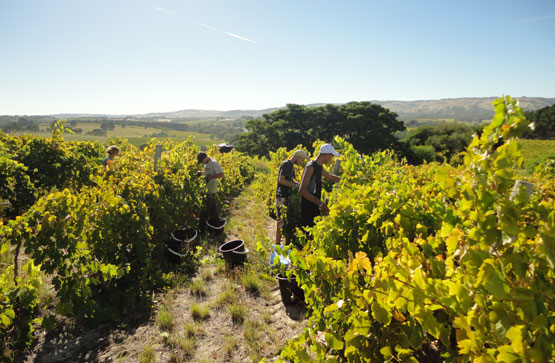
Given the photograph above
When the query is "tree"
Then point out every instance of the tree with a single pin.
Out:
(544, 123)
(445, 141)
(369, 127)
(97, 132)
(108, 125)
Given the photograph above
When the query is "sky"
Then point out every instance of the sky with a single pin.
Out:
(141, 56)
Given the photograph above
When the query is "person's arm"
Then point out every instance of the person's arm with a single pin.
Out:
(332, 177)
(284, 181)
(307, 175)
(217, 176)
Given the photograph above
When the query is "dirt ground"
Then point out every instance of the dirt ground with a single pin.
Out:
(262, 327)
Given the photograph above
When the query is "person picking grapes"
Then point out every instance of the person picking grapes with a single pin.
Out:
(212, 172)
(285, 183)
(311, 185)
(112, 151)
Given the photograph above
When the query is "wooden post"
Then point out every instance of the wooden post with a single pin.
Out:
(157, 154)
(336, 167)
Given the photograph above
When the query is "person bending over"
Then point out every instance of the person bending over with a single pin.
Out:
(311, 185)
(285, 183)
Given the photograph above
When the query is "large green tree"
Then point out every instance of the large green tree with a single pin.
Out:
(369, 127)
(439, 143)
(544, 123)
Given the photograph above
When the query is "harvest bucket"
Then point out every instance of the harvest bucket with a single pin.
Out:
(180, 243)
(234, 252)
(289, 290)
(216, 226)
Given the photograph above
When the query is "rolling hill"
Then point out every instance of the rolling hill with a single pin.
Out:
(462, 109)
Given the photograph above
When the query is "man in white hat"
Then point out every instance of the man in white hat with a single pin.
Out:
(311, 185)
(285, 182)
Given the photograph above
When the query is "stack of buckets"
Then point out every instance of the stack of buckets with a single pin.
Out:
(180, 243)
(288, 287)
(234, 252)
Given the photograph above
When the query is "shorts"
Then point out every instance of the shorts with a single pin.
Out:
(309, 211)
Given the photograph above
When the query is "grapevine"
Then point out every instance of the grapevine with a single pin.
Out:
(432, 263)
(99, 235)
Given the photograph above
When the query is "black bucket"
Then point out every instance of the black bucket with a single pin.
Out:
(235, 252)
(290, 291)
(180, 244)
(216, 226)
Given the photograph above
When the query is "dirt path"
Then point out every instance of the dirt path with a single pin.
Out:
(221, 315)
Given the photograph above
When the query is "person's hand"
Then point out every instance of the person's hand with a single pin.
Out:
(323, 208)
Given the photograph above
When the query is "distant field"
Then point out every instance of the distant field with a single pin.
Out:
(414, 123)
(200, 121)
(535, 151)
(136, 135)
(205, 140)
(440, 120)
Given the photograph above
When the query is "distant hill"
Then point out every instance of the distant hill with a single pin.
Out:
(202, 114)
(461, 109)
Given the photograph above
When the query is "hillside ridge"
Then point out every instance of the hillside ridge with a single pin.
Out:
(463, 109)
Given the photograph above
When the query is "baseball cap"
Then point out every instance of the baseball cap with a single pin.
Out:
(301, 153)
(200, 157)
(328, 149)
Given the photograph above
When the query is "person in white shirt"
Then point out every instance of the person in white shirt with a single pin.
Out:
(212, 172)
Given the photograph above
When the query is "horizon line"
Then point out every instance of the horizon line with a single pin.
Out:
(263, 108)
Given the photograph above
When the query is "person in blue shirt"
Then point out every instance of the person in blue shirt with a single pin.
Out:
(112, 151)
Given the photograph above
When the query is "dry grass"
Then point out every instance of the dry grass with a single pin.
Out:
(165, 319)
(198, 288)
(207, 275)
(230, 343)
(192, 329)
(148, 355)
(184, 344)
(252, 332)
(200, 312)
(237, 312)
(251, 282)
(225, 298)
(220, 267)
(267, 317)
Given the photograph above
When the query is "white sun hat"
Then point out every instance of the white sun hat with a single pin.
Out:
(328, 149)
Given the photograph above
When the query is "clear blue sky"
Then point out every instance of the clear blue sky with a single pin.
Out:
(139, 56)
